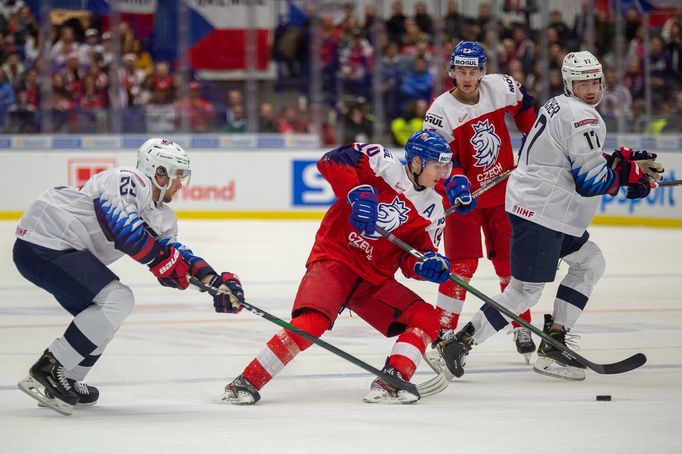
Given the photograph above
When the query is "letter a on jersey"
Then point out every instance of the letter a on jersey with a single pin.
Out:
(486, 144)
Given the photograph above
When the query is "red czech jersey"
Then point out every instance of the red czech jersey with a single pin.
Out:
(416, 217)
(477, 133)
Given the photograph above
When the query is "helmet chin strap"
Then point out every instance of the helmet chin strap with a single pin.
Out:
(162, 190)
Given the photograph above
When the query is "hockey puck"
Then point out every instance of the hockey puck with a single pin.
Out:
(604, 397)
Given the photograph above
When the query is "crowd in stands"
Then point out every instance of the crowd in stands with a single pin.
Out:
(414, 48)
(407, 51)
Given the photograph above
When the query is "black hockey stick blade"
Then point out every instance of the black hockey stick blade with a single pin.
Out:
(399, 384)
(619, 367)
(626, 365)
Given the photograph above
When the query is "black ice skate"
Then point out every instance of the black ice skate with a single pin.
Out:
(524, 342)
(381, 392)
(47, 383)
(551, 361)
(434, 358)
(240, 392)
(456, 348)
(87, 395)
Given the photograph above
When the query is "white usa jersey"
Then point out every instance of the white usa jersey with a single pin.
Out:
(111, 215)
(561, 170)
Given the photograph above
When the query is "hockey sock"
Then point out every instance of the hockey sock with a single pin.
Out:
(451, 296)
(422, 328)
(503, 271)
(283, 347)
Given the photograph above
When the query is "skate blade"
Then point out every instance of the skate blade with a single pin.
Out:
(382, 397)
(242, 398)
(527, 357)
(551, 368)
(437, 364)
(33, 388)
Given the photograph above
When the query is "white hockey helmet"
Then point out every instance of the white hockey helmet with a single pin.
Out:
(581, 66)
(163, 154)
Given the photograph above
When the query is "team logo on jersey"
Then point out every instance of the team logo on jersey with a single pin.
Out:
(391, 216)
(486, 143)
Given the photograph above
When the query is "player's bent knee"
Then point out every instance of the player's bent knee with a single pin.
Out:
(529, 293)
(117, 302)
(424, 317)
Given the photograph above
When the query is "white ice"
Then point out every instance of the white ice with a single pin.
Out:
(161, 376)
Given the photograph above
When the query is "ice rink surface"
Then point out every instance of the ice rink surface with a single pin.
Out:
(161, 376)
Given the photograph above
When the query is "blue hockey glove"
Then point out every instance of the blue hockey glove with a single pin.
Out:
(231, 293)
(364, 201)
(435, 268)
(457, 189)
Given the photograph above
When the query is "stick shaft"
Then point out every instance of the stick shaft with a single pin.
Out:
(409, 387)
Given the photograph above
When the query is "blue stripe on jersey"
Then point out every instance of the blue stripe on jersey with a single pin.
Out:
(599, 184)
(527, 101)
(198, 266)
(344, 155)
(494, 317)
(572, 296)
(127, 232)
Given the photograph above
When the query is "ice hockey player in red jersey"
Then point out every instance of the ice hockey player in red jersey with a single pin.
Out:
(352, 266)
(471, 116)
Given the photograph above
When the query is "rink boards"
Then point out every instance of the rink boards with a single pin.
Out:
(264, 177)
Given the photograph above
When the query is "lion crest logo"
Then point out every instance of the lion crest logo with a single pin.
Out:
(391, 216)
(486, 143)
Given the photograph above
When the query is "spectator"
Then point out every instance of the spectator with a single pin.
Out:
(418, 84)
(7, 97)
(357, 62)
(93, 113)
(26, 25)
(65, 46)
(61, 106)
(395, 25)
(605, 32)
(14, 69)
(410, 122)
(412, 36)
(90, 47)
(22, 116)
(392, 72)
(423, 19)
(370, 20)
(162, 83)
(266, 118)
(144, 60)
(356, 126)
(634, 79)
(564, 33)
(674, 48)
(131, 80)
(291, 121)
(234, 98)
(237, 121)
(198, 110)
(616, 102)
(160, 115)
(454, 21)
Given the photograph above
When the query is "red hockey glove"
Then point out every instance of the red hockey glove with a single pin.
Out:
(170, 268)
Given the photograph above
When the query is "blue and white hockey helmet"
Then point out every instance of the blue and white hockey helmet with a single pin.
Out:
(469, 54)
(428, 146)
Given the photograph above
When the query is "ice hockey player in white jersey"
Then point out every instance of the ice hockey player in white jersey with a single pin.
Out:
(551, 199)
(66, 239)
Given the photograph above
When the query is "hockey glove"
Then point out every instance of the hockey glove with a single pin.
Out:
(435, 268)
(170, 268)
(230, 293)
(645, 161)
(458, 190)
(364, 202)
(637, 182)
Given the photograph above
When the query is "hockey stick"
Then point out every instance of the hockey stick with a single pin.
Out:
(500, 178)
(668, 183)
(407, 386)
(619, 367)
